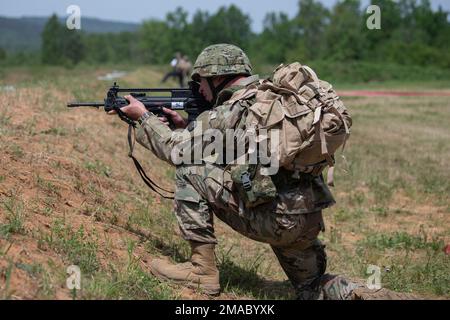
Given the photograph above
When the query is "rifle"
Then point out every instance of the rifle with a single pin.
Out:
(189, 100)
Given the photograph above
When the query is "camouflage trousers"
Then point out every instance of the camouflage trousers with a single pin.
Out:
(201, 194)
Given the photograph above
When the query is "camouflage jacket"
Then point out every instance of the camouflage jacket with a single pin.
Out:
(296, 193)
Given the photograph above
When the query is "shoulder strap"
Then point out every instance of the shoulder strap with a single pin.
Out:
(149, 182)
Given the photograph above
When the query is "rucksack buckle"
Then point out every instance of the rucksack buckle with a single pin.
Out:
(246, 182)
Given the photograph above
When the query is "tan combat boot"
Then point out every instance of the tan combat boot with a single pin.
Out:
(200, 273)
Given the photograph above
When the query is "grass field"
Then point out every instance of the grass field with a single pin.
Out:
(70, 195)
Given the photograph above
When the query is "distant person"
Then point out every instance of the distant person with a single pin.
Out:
(184, 66)
(177, 71)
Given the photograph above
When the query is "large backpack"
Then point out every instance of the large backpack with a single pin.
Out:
(312, 121)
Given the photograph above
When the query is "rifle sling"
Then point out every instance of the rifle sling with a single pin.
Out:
(152, 185)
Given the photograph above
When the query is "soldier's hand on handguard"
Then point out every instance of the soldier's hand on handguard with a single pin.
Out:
(134, 110)
(178, 121)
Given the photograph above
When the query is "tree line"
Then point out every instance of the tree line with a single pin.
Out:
(411, 34)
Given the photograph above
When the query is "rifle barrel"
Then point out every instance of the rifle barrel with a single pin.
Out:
(85, 104)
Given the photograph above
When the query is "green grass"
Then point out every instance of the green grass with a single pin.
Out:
(98, 167)
(47, 186)
(235, 278)
(111, 281)
(407, 85)
(30, 126)
(77, 246)
(342, 215)
(388, 152)
(430, 275)
(56, 131)
(5, 118)
(161, 225)
(391, 182)
(94, 190)
(46, 288)
(129, 283)
(31, 269)
(247, 275)
(5, 273)
(402, 240)
(16, 151)
(413, 263)
(373, 75)
(15, 215)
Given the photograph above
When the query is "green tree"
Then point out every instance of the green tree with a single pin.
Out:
(73, 46)
(97, 48)
(178, 35)
(412, 34)
(52, 46)
(311, 21)
(2, 54)
(344, 34)
(278, 37)
(160, 40)
(229, 25)
(196, 29)
(155, 45)
(61, 46)
(376, 39)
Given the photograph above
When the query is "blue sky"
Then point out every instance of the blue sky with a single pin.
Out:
(138, 10)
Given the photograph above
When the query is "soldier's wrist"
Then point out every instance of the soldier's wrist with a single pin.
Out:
(144, 117)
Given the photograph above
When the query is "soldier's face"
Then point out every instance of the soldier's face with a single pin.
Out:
(205, 90)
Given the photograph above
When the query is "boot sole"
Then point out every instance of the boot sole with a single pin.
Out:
(207, 289)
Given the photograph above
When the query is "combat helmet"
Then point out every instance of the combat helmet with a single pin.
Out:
(221, 60)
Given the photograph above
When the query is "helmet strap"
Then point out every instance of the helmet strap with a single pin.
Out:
(215, 90)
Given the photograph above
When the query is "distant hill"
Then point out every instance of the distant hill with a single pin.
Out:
(19, 34)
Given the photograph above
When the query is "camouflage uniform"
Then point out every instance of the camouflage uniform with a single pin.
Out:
(290, 224)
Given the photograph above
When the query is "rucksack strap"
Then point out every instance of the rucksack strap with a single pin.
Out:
(320, 134)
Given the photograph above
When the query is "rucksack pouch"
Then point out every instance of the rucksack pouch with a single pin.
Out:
(253, 187)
